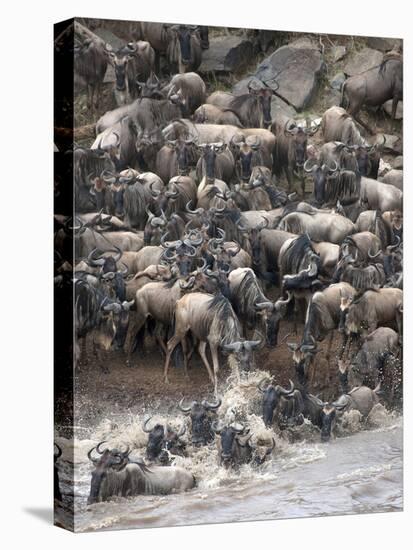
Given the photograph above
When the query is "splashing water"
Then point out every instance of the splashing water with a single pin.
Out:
(359, 471)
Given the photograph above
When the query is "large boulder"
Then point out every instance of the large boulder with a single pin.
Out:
(227, 54)
(382, 44)
(399, 111)
(362, 61)
(297, 70)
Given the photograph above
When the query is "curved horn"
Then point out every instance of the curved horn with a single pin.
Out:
(144, 428)
(98, 447)
(372, 256)
(212, 406)
(306, 164)
(185, 409)
(394, 246)
(98, 262)
(90, 457)
(154, 192)
(291, 390)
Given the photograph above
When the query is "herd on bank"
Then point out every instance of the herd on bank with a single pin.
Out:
(182, 233)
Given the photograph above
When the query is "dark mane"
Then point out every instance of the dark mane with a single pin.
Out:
(295, 253)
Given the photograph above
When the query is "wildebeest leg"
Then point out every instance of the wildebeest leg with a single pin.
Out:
(329, 345)
(100, 358)
(136, 334)
(214, 353)
(290, 178)
(173, 342)
(343, 345)
(393, 110)
(184, 344)
(357, 118)
(202, 353)
(160, 341)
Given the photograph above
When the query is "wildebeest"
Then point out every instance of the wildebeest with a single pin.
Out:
(366, 367)
(337, 125)
(290, 152)
(373, 88)
(188, 90)
(322, 318)
(235, 447)
(380, 196)
(216, 161)
(375, 308)
(320, 226)
(106, 319)
(184, 52)
(132, 63)
(393, 177)
(175, 158)
(116, 475)
(202, 415)
(211, 114)
(253, 308)
(163, 440)
(212, 321)
(253, 108)
(90, 63)
(273, 399)
(360, 398)
(180, 191)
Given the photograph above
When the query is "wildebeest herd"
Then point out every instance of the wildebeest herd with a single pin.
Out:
(193, 227)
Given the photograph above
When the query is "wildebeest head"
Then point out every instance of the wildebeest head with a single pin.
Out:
(271, 314)
(327, 421)
(154, 228)
(201, 420)
(151, 89)
(185, 34)
(230, 438)
(155, 439)
(184, 153)
(271, 398)
(242, 351)
(306, 278)
(109, 460)
(303, 355)
(320, 175)
(119, 60)
(264, 94)
(209, 152)
(114, 323)
(246, 153)
(298, 136)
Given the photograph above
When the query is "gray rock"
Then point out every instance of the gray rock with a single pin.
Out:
(304, 42)
(398, 163)
(226, 54)
(382, 44)
(399, 111)
(296, 70)
(338, 52)
(362, 61)
(337, 81)
(107, 36)
(394, 144)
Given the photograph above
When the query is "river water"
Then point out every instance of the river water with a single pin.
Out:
(360, 471)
